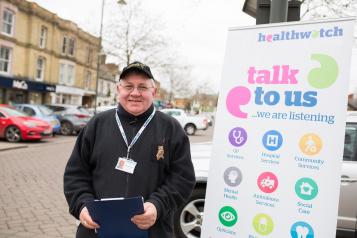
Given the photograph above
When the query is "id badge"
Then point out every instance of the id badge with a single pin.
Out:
(126, 165)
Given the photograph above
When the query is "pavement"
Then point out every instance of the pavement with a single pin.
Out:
(11, 146)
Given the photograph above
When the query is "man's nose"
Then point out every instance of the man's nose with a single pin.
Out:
(135, 91)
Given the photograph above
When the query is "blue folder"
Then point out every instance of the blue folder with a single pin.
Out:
(113, 216)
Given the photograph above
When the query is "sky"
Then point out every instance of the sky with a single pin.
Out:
(198, 29)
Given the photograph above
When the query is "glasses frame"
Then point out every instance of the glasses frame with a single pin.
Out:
(139, 88)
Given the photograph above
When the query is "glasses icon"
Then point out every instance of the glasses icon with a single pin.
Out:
(140, 88)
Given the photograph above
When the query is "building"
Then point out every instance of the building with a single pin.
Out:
(43, 58)
(108, 77)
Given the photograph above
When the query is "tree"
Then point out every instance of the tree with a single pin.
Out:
(134, 36)
(179, 79)
(312, 9)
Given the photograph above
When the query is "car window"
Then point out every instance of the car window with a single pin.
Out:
(29, 111)
(2, 115)
(45, 110)
(349, 152)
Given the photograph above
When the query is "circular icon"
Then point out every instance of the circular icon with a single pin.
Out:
(237, 136)
(301, 229)
(232, 176)
(310, 144)
(228, 216)
(267, 182)
(306, 188)
(263, 224)
(272, 140)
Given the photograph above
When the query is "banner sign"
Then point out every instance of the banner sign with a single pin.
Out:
(279, 134)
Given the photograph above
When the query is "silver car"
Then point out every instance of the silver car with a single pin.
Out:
(188, 219)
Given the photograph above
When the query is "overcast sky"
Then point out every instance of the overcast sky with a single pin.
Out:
(198, 27)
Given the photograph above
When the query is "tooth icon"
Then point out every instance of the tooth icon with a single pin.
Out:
(302, 231)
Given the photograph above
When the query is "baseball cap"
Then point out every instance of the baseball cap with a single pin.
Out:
(136, 67)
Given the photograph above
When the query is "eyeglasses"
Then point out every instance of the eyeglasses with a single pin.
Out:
(140, 88)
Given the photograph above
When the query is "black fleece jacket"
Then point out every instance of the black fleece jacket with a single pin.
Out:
(167, 183)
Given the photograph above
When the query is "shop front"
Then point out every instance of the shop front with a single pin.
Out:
(68, 95)
(13, 90)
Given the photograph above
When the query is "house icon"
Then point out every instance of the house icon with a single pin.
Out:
(306, 189)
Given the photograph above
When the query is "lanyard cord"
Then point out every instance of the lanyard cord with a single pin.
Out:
(137, 134)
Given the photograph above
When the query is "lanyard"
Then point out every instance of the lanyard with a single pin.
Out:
(137, 134)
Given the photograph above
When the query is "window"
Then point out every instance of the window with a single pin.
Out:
(5, 59)
(66, 74)
(89, 55)
(349, 153)
(64, 45)
(87, 79)
(29, 111)
(8, 18)
(68, 46)
(43, 37)
(71, 47)
(40, 68)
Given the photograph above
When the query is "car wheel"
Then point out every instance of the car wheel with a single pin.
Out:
(190, 129)
(188, 220)
(13, 134)
(66, 128)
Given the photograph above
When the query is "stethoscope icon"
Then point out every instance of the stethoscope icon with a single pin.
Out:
(237, 135)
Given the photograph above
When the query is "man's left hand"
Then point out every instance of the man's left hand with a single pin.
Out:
(148, 218)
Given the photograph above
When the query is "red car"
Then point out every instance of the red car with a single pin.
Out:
(16, 125)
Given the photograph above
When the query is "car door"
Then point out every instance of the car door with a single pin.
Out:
(3, 123)
(347, 213)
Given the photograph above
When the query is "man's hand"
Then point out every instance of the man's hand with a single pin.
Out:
(86, 219)
(148, 218)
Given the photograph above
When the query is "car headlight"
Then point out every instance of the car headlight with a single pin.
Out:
(29, 124)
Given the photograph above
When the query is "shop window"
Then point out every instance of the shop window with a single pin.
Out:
(43, 37)
(5, 59)
(8, 19)
(40, 68)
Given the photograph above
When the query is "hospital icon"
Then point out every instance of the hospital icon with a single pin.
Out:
(237, 136)
(301, 230)
(310, 144)
(272, 140)
(232, 176)
(306, 188)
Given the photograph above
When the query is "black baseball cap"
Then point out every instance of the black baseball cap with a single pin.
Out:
(136, 67)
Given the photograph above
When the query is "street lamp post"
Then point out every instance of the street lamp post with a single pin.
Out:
(121, 2)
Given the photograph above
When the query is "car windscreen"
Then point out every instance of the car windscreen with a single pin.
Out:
(45, 110)
(349, 152)
(13, 112)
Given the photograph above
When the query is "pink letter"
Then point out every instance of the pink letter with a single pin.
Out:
(236, 97)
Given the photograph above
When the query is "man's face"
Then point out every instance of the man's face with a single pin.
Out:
(136, 93)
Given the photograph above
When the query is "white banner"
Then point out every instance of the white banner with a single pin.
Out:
(279, 133)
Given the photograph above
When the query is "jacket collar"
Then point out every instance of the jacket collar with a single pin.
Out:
(128, 117)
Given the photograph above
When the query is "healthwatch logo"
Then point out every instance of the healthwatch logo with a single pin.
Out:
(321, 77)
(301, 35)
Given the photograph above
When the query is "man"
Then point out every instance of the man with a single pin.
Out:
(152, 142)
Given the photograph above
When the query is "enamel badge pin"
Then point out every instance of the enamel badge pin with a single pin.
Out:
(160, 152)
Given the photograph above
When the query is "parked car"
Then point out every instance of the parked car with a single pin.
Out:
(16, 126)
(188, 219)
(41, 112)
(102, 108)
(189, 123)
(72, 118)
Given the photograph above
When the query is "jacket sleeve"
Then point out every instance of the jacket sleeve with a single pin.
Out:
(179, 184)
(77, 179)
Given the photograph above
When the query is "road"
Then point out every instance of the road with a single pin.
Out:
(32, 203)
